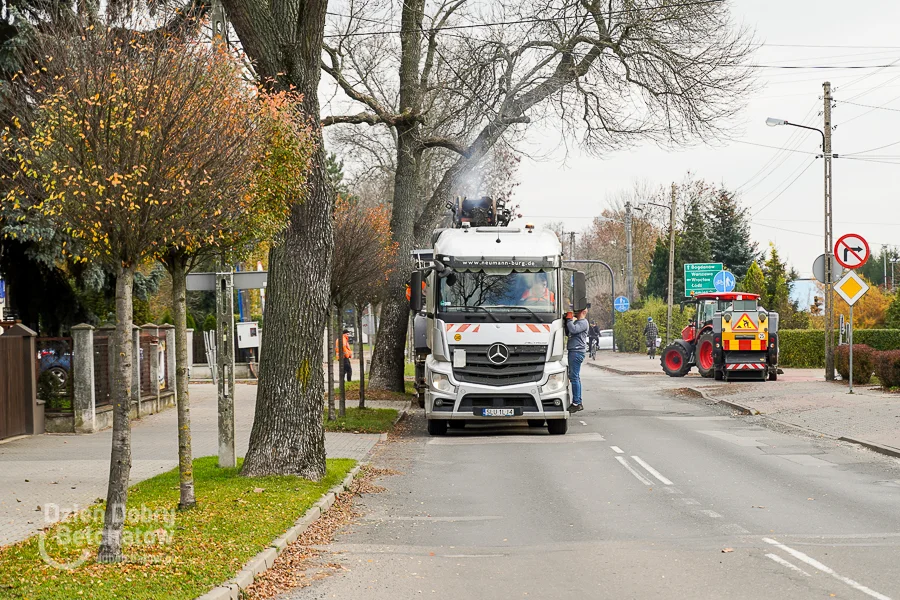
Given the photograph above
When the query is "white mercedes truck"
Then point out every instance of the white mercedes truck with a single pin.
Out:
(489, 322)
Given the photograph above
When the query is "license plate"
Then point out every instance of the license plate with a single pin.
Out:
(498, 412)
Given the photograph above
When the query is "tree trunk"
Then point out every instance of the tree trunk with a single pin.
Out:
(178, 270)
(120, 455)
(330, 338)
(362, 359)
(284, 41)
(387, 360)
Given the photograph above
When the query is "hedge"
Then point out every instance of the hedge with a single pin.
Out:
(629, 328)
(887, 367)
(863, 362)
(805, 348)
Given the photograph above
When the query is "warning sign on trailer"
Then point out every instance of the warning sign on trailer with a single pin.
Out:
(745, 323)
(851, 251)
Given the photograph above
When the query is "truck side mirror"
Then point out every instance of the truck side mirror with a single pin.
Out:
(579, 295)
(415, 292)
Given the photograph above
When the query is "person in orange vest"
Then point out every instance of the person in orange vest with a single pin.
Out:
(348, 354)
(409, 291)
(539, 293)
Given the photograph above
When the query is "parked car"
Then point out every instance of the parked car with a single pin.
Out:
(606, 339)
(56, 363)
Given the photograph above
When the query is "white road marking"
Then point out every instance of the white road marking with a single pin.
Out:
(787, 564)
(617, 450)
(582, 422)
(737, 440)
(828, 570)
(711, 513)
(632, 470)
(651, 470)
(732, 529)
(465, 440)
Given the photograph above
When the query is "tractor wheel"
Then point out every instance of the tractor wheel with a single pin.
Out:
(719, 375)
(705, 364)
(674, 361)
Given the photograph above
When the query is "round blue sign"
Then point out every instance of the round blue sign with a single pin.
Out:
(621, 303)
(724, 281)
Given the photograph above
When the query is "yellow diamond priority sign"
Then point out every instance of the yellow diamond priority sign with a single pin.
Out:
(851, 287)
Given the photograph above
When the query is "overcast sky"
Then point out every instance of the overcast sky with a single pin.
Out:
(789, 214)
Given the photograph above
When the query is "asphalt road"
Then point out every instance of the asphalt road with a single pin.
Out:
(648, 495)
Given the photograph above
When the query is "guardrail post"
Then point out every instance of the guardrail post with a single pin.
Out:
(82, 372)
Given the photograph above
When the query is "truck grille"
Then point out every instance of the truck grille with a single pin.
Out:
(473, 401)
(524, 365)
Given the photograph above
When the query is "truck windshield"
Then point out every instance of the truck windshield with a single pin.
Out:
(499, 292)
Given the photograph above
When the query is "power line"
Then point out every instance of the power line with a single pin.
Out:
(871, 105)
(782, 148)
(811, 163)
(852, 154)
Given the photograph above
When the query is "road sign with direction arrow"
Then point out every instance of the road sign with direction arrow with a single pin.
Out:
(851, 251)
(724, 281)
(621, 304)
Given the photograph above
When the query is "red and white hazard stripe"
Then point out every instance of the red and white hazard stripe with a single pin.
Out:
(461, 327)
(532, 328)
(745, 367)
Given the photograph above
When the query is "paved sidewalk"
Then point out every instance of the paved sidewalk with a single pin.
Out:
(800, 397)
(69, 470)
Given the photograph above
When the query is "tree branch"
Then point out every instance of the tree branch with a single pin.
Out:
(357, 119)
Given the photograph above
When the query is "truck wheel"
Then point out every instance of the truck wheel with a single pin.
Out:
(437, 427)
(773, 375)
(558, 426)
(457, 424)
(705, 363)
(674, 361)
(535, 422)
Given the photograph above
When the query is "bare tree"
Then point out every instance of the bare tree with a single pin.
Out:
(607, 73)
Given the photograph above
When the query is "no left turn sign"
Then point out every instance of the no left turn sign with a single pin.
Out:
(851, 251)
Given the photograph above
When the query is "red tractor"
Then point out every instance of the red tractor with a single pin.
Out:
(729, 335)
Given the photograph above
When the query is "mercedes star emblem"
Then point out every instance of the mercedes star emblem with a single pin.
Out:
(498, 354)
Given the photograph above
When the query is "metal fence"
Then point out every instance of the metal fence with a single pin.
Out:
(54, 367)
(147, 343)
(102, 383)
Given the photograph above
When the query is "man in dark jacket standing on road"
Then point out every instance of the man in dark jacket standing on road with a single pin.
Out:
(651, 332)
(577, 327)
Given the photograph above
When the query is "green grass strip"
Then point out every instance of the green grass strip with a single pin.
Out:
(363, 420)
(177, 554)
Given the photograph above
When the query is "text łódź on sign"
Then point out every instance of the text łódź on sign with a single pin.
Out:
(699, 278)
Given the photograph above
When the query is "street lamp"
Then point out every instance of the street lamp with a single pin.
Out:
(826, 153)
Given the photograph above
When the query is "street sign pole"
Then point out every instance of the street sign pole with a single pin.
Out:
(850, 339)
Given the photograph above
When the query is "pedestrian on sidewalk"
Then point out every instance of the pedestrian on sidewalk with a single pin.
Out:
(348, 354)
(651, 332)
(577, 328)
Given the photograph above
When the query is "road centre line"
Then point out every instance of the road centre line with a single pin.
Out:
(788, 564)
(617, 450)
(651, 470)
(634, 472)
(821, 567)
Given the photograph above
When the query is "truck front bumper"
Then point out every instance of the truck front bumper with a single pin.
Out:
(527, 401)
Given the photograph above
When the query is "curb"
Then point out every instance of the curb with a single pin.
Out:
(880, 448)
(621, 371)
(231, 589)
(745, 410)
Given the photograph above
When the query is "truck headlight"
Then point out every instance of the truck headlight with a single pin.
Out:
(555, 382)
(441, 383)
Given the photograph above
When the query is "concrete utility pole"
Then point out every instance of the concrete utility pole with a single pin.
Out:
(829, 245)
(629, 255)
(225, 364)
(671, 299)
(572, 244)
